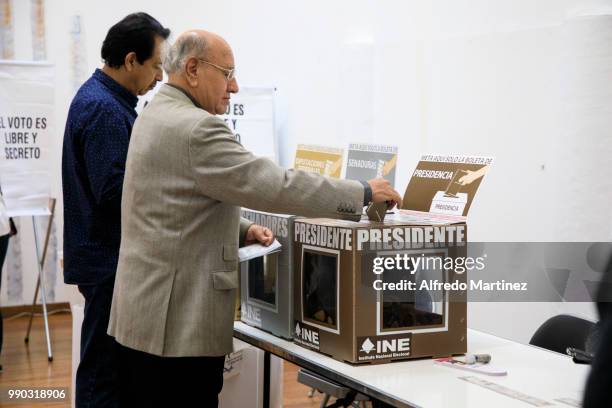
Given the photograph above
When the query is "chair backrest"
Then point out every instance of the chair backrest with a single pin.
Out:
(563, 331)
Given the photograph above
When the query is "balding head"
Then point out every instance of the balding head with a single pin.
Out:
(193, 43)
(188, 44)
(197, 62)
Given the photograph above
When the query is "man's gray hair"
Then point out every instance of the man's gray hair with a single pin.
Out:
(191, 45)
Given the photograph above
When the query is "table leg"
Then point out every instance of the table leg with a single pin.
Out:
(266, 380)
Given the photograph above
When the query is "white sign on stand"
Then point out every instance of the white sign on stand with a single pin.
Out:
(26, 139)
(250, 115)
(26, 130)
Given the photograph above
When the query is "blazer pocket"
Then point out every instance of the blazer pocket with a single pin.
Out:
(225, 280)
(230, 252)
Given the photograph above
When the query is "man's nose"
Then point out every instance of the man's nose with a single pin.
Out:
(232, 86)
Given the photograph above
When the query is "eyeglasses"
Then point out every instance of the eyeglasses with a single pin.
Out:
(229, 73)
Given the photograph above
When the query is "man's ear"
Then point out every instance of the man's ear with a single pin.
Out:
(130, 61)
(191, 71)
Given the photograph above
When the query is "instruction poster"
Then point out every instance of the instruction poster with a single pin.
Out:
(250, 115)
(326, 161)
(445, 184)
(27, 135)
(366, 162)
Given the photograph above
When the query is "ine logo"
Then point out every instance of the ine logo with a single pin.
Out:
(304, 335)
(385, 345)
(251, 313)
(298, 331)
(367, 346)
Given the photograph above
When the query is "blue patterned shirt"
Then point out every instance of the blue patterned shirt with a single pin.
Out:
(95, 148)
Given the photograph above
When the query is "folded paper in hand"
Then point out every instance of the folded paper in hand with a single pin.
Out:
(256, 250)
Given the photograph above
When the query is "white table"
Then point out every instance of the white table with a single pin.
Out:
(538, 373)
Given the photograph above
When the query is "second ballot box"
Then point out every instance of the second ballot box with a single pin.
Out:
(266, 283)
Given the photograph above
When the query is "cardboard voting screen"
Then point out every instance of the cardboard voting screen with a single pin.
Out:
(326, 161)
(445, 184)
(367, 161)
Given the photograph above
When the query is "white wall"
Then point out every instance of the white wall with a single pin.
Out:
(447, 76)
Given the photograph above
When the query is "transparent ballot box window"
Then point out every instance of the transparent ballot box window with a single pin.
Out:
(262, 279)
(320, 284)
(420, 307)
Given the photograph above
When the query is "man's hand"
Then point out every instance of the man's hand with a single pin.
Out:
(258, 234)
(383, 192)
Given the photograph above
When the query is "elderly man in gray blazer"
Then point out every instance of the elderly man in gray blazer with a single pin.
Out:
(186, 178)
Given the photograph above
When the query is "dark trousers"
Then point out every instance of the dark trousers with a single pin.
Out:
(149, 381)
(3, 246)
(96, 378)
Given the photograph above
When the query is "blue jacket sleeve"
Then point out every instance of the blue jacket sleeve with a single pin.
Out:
(105, 145)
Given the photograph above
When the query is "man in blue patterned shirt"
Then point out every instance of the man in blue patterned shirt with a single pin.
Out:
(95, 147)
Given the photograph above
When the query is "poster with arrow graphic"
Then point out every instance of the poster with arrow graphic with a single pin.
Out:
(323, 160)
(367, 161)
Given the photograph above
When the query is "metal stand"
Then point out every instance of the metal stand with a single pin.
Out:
(40, 283)
(345, 397)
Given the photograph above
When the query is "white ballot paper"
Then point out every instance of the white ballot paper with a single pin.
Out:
(256, 250)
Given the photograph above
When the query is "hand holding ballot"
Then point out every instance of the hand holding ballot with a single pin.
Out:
(382, 191)
(257, 250)
(258, 234)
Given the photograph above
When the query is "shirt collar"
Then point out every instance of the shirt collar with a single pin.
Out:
(116, 88)
(191, 98)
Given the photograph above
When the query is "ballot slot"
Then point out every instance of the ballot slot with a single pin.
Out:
(415, 304)
(320, 280)
(262, 283)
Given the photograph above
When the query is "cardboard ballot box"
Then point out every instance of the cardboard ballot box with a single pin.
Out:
(375, 292)
(266, 283)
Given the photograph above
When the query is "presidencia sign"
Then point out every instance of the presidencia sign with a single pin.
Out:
(445, 184)
(323, 160)
(26, 126)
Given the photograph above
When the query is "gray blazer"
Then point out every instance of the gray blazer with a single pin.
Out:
(185, 180)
